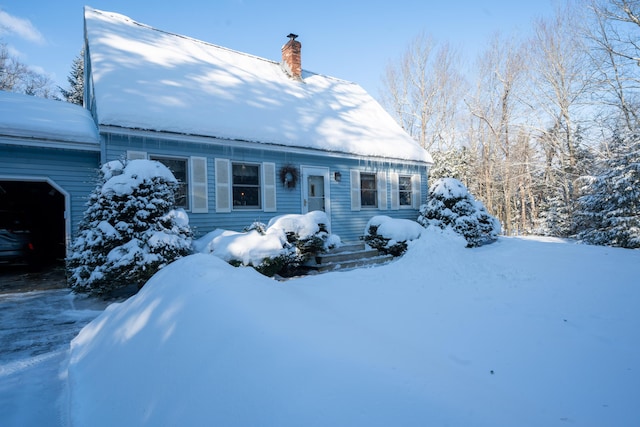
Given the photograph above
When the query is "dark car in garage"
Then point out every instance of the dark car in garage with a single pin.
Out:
(16, 240)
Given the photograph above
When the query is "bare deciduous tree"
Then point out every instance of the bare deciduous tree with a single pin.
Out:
(536, 113)
(562, 81)
(18, 77)
(424, 90)
(496, 106)
(615, 57)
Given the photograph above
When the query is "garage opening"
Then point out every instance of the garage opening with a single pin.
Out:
(35, 208)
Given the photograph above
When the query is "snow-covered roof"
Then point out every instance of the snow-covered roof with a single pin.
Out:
(40, 119)
(145, 78)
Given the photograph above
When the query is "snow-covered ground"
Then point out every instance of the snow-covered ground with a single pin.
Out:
(522, 332)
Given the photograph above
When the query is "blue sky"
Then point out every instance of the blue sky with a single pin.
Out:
(352, 40)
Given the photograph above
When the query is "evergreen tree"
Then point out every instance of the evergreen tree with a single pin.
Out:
(130, 229)
(452, 163)
(561, 188)
(451, 205)
(556, 215)
(75, 93)
(609, 209)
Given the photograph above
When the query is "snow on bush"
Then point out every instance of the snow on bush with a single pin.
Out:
(247, 248)
(451, 205)
(280, 247)
(130, 229)
(390, 235)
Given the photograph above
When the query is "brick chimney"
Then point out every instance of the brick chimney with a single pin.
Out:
(291, 61)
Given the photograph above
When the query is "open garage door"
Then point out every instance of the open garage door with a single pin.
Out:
(35, 208)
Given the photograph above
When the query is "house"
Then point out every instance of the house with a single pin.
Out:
(49, 152)
(248, 138)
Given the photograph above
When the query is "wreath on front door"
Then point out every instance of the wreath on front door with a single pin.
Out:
(289, 176)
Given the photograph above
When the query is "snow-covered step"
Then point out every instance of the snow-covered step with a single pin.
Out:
(346, 257)
(349, 247)
(352, 263)
(329, 257)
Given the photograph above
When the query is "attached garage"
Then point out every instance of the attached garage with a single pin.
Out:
(36, 207)
(49, 153)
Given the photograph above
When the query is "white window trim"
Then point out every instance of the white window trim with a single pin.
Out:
(224, 186)
(260, 207)
(412, 178)
(356, 194)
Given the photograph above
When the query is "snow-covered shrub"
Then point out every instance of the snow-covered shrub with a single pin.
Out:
(130, 229)
(451, 205)
(281, 247)
(307, 234)
(390, 235)
(260, 227)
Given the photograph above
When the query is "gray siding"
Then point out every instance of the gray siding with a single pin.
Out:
(73, 171)
(348, 224)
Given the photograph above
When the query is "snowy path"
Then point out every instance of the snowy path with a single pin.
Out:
(35, 331)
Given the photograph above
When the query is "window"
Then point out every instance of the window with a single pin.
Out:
(368, 190)
(405, 190)
(179, 169)
(246, 185)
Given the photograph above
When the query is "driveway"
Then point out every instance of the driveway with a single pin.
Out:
(39, 317)
(17, 278)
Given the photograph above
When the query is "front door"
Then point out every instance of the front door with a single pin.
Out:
(315, 190)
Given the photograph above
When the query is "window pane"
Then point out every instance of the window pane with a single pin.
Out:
(246, 185)
(245, 174)
(405, 183)
(178, 168)
(368, 193)
(246, 197)
(405, 190)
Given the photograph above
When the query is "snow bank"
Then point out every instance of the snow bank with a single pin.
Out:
(516, 333)
(251, 247)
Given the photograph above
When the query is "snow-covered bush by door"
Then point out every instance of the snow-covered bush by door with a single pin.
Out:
(280, 247)
(451, 205)
(308, 233)
(390, 235)
(130, 229)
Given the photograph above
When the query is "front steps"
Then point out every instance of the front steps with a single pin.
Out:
(347, 257)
